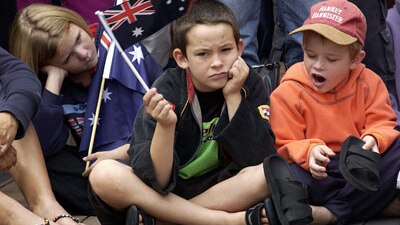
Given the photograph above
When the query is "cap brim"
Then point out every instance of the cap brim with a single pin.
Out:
(328, 32)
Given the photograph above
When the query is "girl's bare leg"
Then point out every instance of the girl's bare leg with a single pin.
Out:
(13, 213)
(31, 176)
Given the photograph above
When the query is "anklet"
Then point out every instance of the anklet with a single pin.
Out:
(46, 222)
(65, 216)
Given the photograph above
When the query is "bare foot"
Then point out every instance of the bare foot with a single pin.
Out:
(322, 215)
(52, 209)
(13, 213)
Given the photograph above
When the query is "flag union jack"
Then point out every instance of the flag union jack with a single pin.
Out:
(128, 12)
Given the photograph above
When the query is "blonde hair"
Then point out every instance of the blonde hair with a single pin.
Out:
(35, 33)
(354, 48)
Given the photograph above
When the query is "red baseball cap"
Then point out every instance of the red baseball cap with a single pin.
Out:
(337, 20)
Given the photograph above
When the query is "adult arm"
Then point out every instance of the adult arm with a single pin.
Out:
(20, 89)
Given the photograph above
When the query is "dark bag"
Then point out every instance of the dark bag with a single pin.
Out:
(270, 74)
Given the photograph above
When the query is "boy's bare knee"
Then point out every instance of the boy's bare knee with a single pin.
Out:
(105, 173)
(255, 175)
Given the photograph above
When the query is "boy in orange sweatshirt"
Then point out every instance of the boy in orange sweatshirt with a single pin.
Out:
(326, 98)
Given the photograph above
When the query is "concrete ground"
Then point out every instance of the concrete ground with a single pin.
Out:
(8, 187)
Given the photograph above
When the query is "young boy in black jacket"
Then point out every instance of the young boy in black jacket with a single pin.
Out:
(199, 134)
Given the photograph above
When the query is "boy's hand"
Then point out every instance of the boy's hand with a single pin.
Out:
(370, 143)
(159, 108)
(319, 159)
(237, 75)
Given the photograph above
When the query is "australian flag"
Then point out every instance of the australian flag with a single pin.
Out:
(134, 20)
(130, 22)
(122, 94)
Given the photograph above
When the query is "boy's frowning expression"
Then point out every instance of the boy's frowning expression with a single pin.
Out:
(210, 52)
(327, 63)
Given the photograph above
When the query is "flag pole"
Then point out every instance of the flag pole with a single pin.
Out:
(96, 118)
(107, 28)
(132, 68)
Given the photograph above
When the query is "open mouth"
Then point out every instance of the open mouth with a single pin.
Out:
(318, 79)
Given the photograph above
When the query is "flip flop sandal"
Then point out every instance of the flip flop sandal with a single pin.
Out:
(253, 215)
(132, 217)
(358, 166)
(289, 196)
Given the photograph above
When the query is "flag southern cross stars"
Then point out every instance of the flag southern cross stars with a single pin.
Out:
(122, 94)
(134, 20)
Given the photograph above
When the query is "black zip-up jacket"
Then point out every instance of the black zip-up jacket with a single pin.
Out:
(19, 90)
(245, 140)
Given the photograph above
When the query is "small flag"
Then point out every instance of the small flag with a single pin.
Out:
(134, 20)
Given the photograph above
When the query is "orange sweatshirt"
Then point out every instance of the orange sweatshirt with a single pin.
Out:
(302, 117)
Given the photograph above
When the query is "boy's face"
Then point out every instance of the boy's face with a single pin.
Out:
(327, 63)
(210, 52)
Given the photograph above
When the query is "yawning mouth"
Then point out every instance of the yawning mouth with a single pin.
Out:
(318, 78)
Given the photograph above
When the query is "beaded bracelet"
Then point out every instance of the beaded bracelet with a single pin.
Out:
(46, 222)
(65, 216)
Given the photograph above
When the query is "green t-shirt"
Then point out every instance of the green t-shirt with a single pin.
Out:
(206, 157)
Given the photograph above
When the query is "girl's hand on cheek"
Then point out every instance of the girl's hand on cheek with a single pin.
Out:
(51, 70)
(55, 78)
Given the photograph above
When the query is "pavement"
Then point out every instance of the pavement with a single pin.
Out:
(8, 187)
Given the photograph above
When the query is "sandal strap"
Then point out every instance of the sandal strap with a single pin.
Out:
(296, 212)
(61, 216)
(295, 189)
(253, 215)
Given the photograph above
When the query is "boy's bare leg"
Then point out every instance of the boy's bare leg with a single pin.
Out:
(245, 189)
(31, 176)
(119, 187)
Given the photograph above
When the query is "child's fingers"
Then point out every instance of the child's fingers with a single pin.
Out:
(165, 109)
(154, 101)
(317, 171)
(159, 107)
(321, 158)
(149, 94)
(90, 157)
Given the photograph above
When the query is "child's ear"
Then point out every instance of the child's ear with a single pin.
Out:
(240, 46)
(180, 59)
(357, 60)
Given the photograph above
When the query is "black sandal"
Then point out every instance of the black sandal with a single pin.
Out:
(289, 196)
(253, 215)
(132, 216)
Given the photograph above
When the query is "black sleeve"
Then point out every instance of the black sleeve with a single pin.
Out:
(248, 137)
(19, 90)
